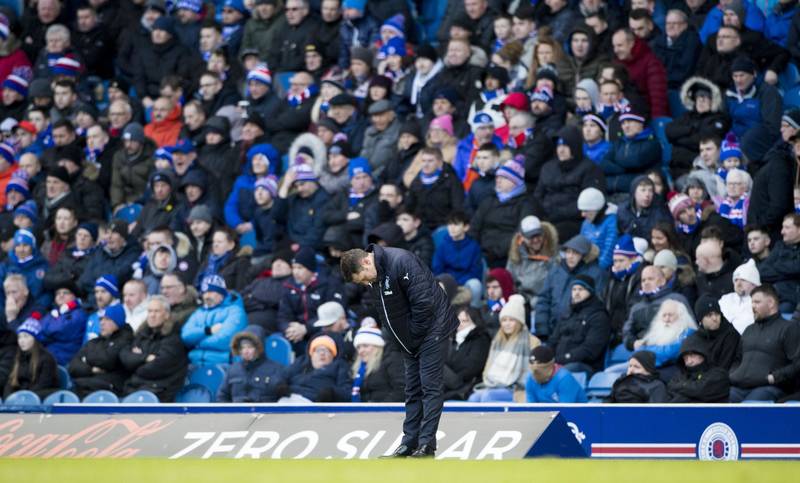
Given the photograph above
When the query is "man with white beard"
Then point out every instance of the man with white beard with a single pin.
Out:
(671, 325)
(737, 306)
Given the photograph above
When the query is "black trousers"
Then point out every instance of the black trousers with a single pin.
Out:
(424, 391)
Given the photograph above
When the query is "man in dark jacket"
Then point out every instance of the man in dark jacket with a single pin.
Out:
(301, 212)
(418, 314)
(769, 363)
(320, 376)
(561, 181)
(698, 381)
(156, 358)
(436, 192)
(641, 383)
(346, 212)
(97, 365)
(293, 115)
(623, 285)
(496, 221)
(782, 267)
(469, 349)
(458, 73)
(581, 337)
(308, 288)
(260, 94)
(714, 269)
(94, 43)
(254, 378)
(262, 296)
(290, 36)
(160, 208)
(115, 258)
(643, 210)
(678, 48)
(635, 153)
(720, 338)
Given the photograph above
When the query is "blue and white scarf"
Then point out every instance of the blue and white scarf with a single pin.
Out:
(429, 179)
(504, 197)
(358, 381)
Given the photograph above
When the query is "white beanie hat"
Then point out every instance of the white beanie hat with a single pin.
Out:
(748, 272)
(514, 308)
(665, 258)
(591, 199)
(369, 336)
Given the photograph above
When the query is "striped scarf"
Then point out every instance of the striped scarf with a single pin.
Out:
(429, 179)
(733, 210)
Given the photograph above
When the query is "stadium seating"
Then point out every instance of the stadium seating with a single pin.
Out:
(194, 393)
(600, 385)
(581, 378)
(64, 381)
(141, 397)
(279, 349)
(209, 376)
(61, 397)
(617, 355)
(101, 397)
(23, 398)
(791, 97)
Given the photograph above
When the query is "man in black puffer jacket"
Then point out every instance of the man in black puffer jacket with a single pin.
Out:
(255, 378)
(769, 364)
(561, 181)
(698, 381)
(719, 337)
(580, 339)
(641, 383)
(156, 358)
(415, 310)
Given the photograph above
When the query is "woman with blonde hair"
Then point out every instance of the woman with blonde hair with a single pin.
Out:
(378, 374)
(507, 366)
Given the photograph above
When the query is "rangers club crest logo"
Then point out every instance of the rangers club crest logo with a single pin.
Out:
(718, 443)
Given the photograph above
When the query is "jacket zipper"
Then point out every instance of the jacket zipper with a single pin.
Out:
(386, 314)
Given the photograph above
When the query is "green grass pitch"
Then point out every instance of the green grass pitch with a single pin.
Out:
(382, 471)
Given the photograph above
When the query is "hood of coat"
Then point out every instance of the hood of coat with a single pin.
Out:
(253, 333)
(693, 83)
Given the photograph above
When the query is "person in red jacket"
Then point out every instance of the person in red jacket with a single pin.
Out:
(166, 126)
(646, 72)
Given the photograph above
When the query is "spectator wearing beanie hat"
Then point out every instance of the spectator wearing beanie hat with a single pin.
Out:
(690, 226)
(599, 226)
(580, 258)
(623, 284)
(33, 368)
(737, 306)
(377, 373)
(641, 383)
(358, 29)
(550, 382)
(106, 293)
(421, 88)
(595, 144)
(26, 260)
(319, 375)
(482, 133)
(494, 223)
(17, 190)
(64, 327)
(346, 215)
(209, 330)
(301, 212)
(507, 365)
(240, 205)
(635, 153)
(97, 366)
(581, 337)
(716, 334)
(562, 179)
(304, 292)
(26, 215)
(260, 94)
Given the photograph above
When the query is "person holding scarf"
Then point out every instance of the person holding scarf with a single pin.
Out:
(734, 206)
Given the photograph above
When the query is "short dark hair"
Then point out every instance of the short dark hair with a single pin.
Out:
(436, 152)
(639, 14)
(767, 290)
(795, 217)
(710, 138)
(405, 210)
(712, 232)
(69, 83)
(751, 227)
(350, 263)
(457, 217)
(491, 147)
(63, 123)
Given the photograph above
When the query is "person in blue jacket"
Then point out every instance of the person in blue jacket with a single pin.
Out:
(482, 133)
(633, 154)
(548, 382)
(599, 223)
(776, 27)
(595, 145)
(460, 255)
(320, 376)
(209, 330)
(744, 9)
(64, 327)
(26, 260)
(262, 159)
(580, 257)
(254, 378)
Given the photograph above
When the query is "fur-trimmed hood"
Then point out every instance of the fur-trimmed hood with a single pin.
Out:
(549, 248)
(691, 83)
(254, 334)
(317, 147)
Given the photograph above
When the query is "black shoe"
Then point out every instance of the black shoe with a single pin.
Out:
(402, 451)
(424, 451)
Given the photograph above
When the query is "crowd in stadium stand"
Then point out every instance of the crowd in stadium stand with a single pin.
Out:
(607, 191)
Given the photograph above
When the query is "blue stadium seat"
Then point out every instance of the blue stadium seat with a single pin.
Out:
(64, 381)
(209, 376)
(617, 355)
(756, 401)
(141, 397)
(61, 397)
(789, 78)
(600, 385)
(791, 97)
(581, 378)
(281, 82)
(101, 397)
(279, 349)
(23, 398)
(194, 393)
